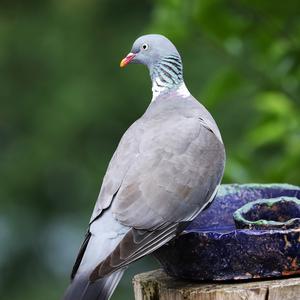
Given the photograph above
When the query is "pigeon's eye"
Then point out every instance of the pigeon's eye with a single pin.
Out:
(145, 46)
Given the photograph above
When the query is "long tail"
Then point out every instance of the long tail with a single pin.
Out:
(102, 289)
(104, 236)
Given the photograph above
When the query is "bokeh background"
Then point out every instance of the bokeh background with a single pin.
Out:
(65, 103)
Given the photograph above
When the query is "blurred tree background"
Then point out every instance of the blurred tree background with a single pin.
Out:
(65, 104)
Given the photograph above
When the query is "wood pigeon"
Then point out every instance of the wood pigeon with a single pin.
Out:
(165, 170)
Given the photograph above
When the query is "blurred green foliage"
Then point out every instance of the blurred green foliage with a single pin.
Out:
(65, 104)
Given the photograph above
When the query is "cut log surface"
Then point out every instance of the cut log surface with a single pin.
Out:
(156, 285)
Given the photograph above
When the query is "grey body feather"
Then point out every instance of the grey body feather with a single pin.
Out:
(167, 141)
(164, 171)
(177, 165)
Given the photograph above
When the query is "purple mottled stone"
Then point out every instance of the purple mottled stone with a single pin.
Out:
(212, 248)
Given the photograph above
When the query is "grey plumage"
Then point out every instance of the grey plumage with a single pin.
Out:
(164, 171)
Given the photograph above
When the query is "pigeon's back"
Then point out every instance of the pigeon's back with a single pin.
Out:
(178, 167)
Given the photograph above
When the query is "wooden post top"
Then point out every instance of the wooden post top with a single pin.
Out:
(157, 285)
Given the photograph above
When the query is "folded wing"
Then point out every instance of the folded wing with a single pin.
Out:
(174, 174)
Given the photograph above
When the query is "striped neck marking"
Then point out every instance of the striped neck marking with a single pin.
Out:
(166, 75)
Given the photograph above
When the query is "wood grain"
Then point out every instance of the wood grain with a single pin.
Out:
(156, 285)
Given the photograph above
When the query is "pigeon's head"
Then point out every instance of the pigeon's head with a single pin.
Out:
(149, 50)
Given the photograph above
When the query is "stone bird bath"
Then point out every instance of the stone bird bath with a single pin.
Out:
(249, 231)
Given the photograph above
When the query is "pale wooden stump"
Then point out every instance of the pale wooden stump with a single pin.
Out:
(156, 285)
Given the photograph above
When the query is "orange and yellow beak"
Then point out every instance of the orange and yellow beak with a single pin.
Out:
(125, 61)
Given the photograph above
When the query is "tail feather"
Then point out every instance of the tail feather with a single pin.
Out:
(81, 288)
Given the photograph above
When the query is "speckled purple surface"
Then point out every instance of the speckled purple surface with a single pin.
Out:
(212, 248)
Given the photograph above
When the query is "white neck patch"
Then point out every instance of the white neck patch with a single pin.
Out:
(181, 90)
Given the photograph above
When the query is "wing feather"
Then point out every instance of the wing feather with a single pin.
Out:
(134, 245)
(119, 164)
